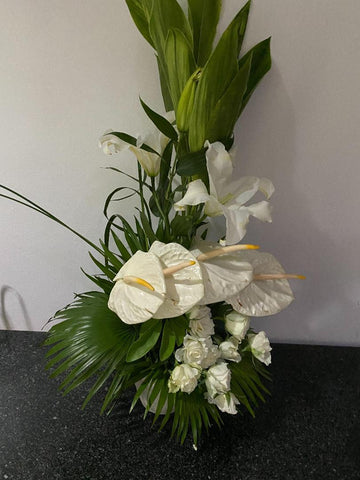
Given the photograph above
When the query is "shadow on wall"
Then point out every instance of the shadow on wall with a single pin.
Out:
(295, 237)
(5, 318)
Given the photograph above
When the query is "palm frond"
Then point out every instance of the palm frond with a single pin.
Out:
(91, 341)
(246, 381)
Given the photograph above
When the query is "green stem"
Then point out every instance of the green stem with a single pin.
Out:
(44, 212)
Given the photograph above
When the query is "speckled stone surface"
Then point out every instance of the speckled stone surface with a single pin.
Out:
(308, 429)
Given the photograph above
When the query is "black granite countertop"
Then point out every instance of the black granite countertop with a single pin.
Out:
(308, 429)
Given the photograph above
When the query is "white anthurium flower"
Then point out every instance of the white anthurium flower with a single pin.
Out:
(227, 196)
(150, 161)
(139, 288)
(217, 379)
(226, 402)
(184, 377)
(229, 350)
(269, 292)
(237, 324)
(201, 324)
(260, 347)
(224, 275)
(184, 288)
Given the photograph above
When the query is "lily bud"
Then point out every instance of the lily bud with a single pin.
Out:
(186, 102)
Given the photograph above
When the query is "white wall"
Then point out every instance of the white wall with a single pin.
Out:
(71, 69)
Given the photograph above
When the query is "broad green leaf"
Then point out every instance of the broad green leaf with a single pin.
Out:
(179, 61)
(140, 11)
(228, 107)
(149, 335)
(204, 16)
(164, 86)
(167, 341)
(160, 122)
(260, 65)
(167, 15)
(216, 77)
(181, 225)
(192, 164)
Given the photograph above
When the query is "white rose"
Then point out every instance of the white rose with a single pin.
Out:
(218, 379)
(229, 350)
(237, 324)
(226, 402)
(260, 347)
(184, 377)
(195, 350)
(201, 324)
(212, 356)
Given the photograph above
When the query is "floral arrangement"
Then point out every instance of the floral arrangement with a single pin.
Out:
(171, 312)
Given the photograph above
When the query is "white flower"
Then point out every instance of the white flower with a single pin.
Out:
(184, 288)
(154, 139)
(218, 379)
(184, 377)
(131, 298)
(237, 324)
(147, 286)
(223, 276)
(201, 324)
(262, 297)
(226, 402)
(229, 350)
(260, 347)
(195, 350)
(212, 356)
(228, 196)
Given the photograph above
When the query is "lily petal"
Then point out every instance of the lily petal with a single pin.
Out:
(262, 297)
(219, 167)
(196, 193)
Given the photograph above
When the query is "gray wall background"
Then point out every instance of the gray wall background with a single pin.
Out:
(72, 69)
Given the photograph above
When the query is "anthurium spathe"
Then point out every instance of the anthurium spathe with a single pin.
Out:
(269, 292)
(227, 196)
(139, 288)
(184, 287)
(223, 275)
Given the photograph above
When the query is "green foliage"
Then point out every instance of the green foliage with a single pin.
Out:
(204, 17)
(148, 337)
(246, 383)
(91, 341)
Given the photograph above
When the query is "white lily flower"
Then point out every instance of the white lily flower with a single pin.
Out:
(269, 292)
(154, 139)
(227, 196)
(185, 287)
(139, 289)
(224, 276)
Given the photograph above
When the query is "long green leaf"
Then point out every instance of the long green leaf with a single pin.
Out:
(216, 77)
(180, 63)
(260, 65)
(149, 334)
(204, 16)
(140, 11)
(227, 110)
(160, 122)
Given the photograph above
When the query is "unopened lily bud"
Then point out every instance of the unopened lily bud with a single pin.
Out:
(186, 102)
